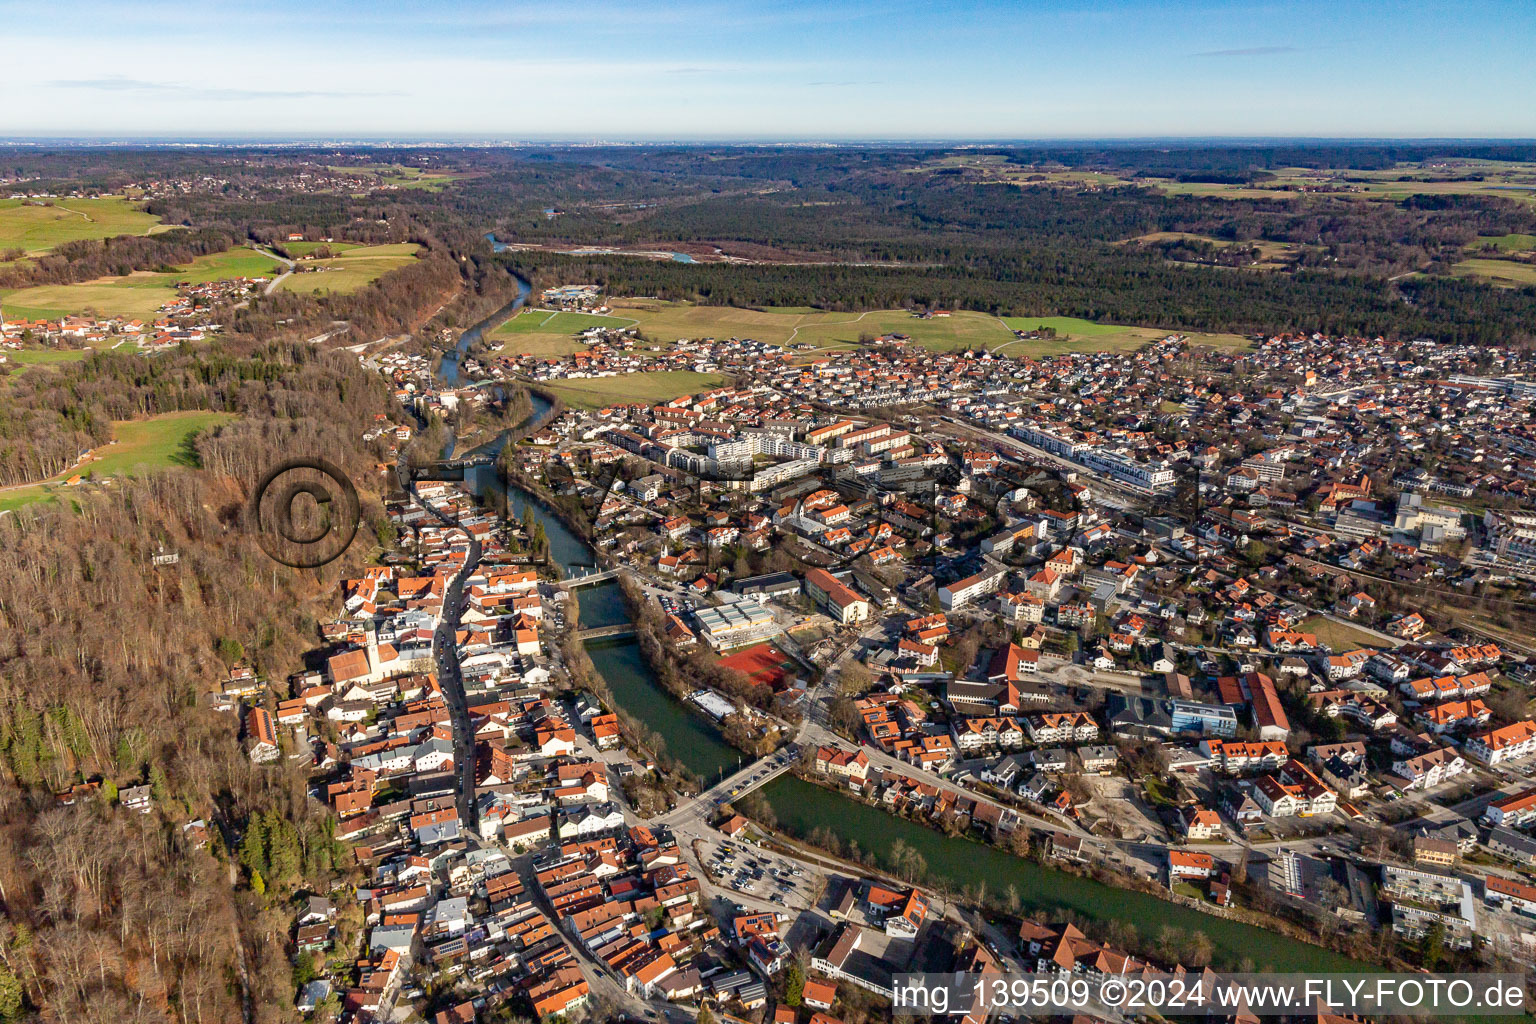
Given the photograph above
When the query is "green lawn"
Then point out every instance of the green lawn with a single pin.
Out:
(353, 270)
(1502, 273)
(136, 295)
(138, 446)
(597, 392)
(39, 228)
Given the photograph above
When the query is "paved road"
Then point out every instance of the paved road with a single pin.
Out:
(272, 284)
(446, 653)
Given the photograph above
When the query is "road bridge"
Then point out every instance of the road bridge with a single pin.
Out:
(599, 632)
(585, 577)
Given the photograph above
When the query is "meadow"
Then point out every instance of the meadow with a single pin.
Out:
(1504, 243)
(597, 392)
(305, 248)
(352, 270)
(539, 332)
(139, 446)
(36, 229)
(28, 357)
(820, 329)
(542, 332)
(137, 295)
(1502, 273)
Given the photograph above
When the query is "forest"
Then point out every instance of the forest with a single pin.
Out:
(106, 661)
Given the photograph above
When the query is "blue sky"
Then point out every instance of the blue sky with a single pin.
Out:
(840, 69)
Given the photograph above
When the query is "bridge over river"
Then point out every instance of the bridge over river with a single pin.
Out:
(598, 632)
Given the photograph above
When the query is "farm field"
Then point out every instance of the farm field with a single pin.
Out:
(1074, 334)
(671, 321)
(1504, 273)
(305, 248)
(26, 357)
(36, 229)
(137, 295)
(139, 446)
(542, 332)
(667, 322)
(1337, 635)
(1273, 255)
(352, 270)
(1504, 243)
(401, 175)
(597, 392)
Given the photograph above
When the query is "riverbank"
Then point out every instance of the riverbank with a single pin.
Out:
(807, 812)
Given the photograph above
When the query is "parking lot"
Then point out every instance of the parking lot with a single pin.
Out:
(757, 874)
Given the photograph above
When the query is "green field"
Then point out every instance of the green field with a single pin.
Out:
(43, 356)
(1077, 335)
(138, 295)
(543, 332)
(1272, 255)
(1504, 243)
(401, 175)
(138, 446)
(1503, 273)
(305, 248)
(36, 229)
(672, 321)
(352, 270)
(597, 392)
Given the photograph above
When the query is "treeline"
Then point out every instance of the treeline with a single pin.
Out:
(106, 661)
(1096, 283)
(85, 260)
(49, 418)
(952, 222)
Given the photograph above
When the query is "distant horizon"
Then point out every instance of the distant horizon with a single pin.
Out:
(492, 139)
(780, 70)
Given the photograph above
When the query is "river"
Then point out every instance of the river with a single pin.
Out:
(801, 806)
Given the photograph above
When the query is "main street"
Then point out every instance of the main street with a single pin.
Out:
(445, 653)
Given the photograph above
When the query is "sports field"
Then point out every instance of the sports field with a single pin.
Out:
(138, 446)
(351, 271)
(38, 228)
(597, 392)
(763, 663)
(1503, 273)
(136, 295)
